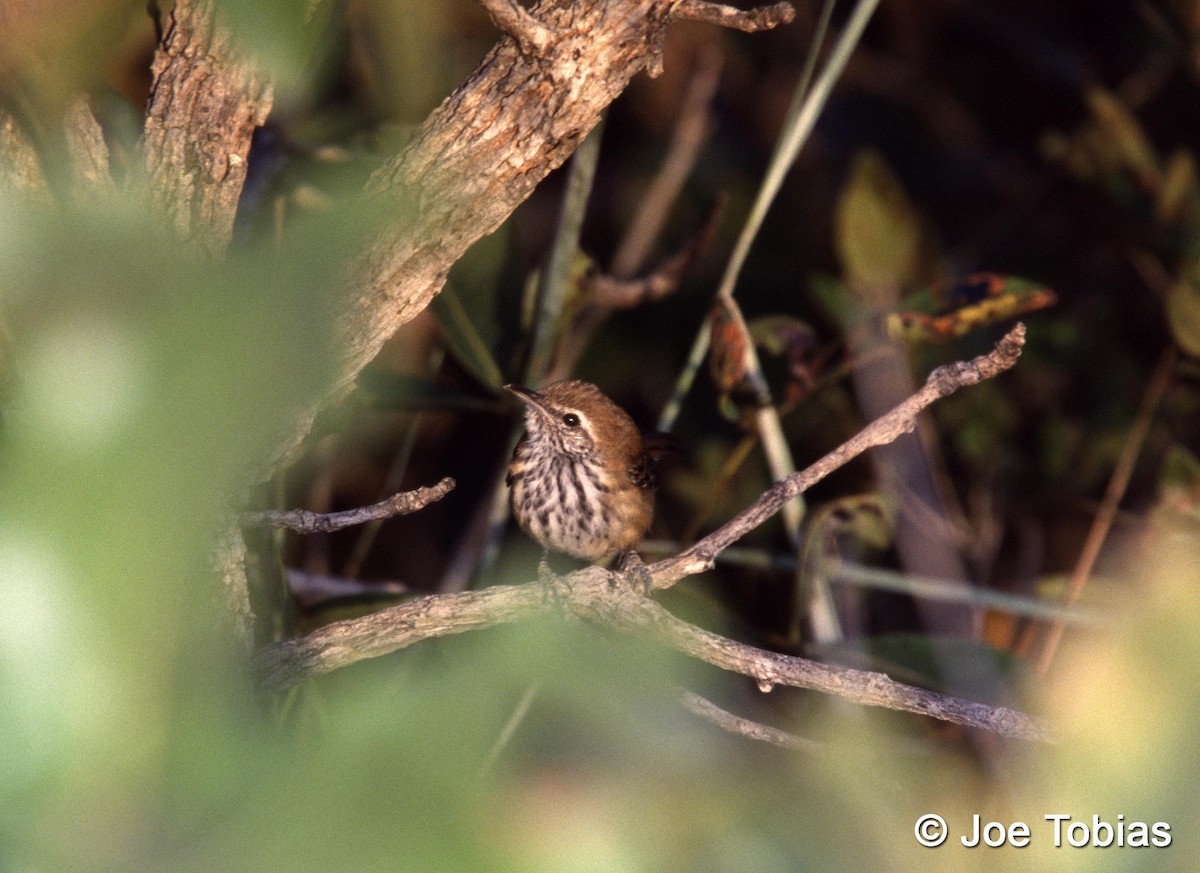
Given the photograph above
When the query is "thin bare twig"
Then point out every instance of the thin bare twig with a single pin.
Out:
(610, 292)
(748, 20)
(943, 381)
(312, 590)
(592, 594)
(1159, 383)
(510, 727)
(735, 724)
(305, 522)
(614, 292)
(692, 128)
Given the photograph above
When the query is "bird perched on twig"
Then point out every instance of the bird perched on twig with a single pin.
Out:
(582, 481)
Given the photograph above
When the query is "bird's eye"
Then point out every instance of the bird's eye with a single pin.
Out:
(571, 419)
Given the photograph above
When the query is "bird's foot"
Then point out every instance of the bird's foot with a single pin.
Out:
(636, 573)
(553, 588)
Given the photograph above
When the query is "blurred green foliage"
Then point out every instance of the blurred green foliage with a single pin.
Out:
(142, 387)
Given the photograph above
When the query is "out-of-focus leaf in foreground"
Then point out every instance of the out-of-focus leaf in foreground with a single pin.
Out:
(146, 387)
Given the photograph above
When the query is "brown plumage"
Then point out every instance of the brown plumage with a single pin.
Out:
(580, 477)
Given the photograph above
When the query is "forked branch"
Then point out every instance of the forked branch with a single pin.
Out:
(508, 15)
(943, 381)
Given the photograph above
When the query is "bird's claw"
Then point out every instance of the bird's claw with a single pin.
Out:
(636, 573)
(553, 587)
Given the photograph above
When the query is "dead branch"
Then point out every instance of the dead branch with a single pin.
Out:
(343, 643)
(748, 20)
(691, 131)
(618, 289)
(605, 599)
(735, 724)
(902, 419)
(305, 522)
(592, 594)
(613, 292)
(621, 608)
(313, 590)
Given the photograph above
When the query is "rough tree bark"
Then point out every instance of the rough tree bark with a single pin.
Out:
(205, 104)
(482, 152)
(519, 116)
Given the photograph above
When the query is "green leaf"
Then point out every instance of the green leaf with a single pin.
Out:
(466, 343)
(286, 37)
(1179, 484)
(479, 328)
(1121, 135)
(1178, 193)
(878, 232)
(1183, 317)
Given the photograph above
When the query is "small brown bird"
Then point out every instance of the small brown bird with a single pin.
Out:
(581, 480)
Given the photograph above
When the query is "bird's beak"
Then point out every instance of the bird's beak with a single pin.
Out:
(528, 395)
(535, 404)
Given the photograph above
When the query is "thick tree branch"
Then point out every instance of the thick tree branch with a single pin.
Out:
(205, 104)
(479, 155)
(304, 522)
(347, 642)
(20, 170)
(88, 152)
(593, 595)
(482, 152)
(599, 596)
(23, 171)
